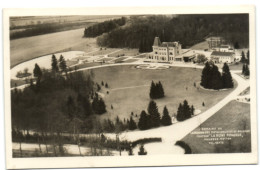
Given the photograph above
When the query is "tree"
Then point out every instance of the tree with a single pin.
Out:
(211, 77)
(132, 124)
(106, 85)
(166, 119)
(62, 64)
(243, 58)
(192, 110)
(142, 150)
(143, 123)
(37, 72)
(160, 90)
(152, 90)
(156, 90)
(245, 71)
(102, 83)
(201, 58)
(248, 57)
(154, 114)
(226, 77)
(54, 64)
(184, 111)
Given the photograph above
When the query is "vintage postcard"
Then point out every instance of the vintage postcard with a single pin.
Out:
(126, 87)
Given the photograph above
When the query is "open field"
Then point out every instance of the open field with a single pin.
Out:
(28, 48)
(200, 46)
(234, 116)
(129, 89)
(104, 51)
(125, 52)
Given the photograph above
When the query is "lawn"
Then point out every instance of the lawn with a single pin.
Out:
(24, 49)
(104, 51)
(234, 116)
(200, 46)
(125, 52)
(129, 89)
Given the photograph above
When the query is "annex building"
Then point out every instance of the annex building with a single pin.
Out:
(164, 51)
(222, 57)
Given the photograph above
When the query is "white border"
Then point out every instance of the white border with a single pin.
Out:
(206, 159)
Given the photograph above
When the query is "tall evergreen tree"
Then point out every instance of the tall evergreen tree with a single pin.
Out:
(243, 69)
(152, 90)
(211, 77)
(62, 64)
(54, 64)
(184, 111)
(166, 119)
(154, 114)
(37, 72)
(132, 124)
(226, 77)
(246, 72)
(160, 90)
(248, 57)
(243, 58)
(205, 75)
(143, 123)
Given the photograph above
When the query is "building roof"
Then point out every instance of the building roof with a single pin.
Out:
(157, 41)
(219, 53)
(214, 38)
(224, 46)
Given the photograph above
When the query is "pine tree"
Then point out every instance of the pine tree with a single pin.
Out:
(142, 150)
(37, 72)
(180, 115)
(152, 90)
(166, 119)
(211, 77)
(160, 90)
(132, 124)
(248, 57)
(62, 64)
(102, 83)
(106, 85)
(226, 77)
(243, 69)
(192, 110)
(243, 58)
(184, 111)
(143, 123)
(247, 72)
(54, 64)
(154, 114)
(205, 75)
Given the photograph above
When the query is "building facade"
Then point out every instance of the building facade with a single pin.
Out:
(222, 57)
(165, 51)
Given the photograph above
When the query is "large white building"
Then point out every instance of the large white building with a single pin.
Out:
(165, 51)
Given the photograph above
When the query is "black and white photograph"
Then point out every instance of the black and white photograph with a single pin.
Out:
(130, 86)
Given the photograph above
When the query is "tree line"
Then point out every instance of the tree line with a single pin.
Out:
(187, 29)
(211, 78)
(103, 27)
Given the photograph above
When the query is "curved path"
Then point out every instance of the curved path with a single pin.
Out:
(175, 132)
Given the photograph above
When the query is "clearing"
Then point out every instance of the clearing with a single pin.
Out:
(178, 85)
(24, 49)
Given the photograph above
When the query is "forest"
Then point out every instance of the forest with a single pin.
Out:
(187, 29)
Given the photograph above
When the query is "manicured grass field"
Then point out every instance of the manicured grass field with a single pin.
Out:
(104, 51)
(200, 46)
(125, 52)
(129, 89)
(234, 116)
